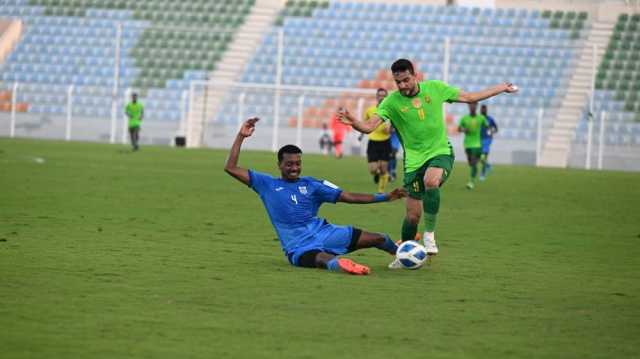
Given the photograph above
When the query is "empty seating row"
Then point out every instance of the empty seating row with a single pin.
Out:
(344, 43)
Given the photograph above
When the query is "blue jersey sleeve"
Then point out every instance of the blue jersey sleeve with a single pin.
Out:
(259, 181)
(492, 123)
(325, 191)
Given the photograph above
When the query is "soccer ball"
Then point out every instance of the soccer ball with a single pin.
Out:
(411, 254)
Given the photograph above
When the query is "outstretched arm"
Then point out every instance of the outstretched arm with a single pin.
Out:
(231, 167)
(349, 197)
(363, 126)
(471, 97)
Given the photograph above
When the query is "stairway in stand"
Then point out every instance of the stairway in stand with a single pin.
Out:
(209, 97)
(557, 147)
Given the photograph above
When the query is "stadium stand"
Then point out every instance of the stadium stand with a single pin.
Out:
(618, 86)
(347, 45)
(164, 46)
(569, 20)
(328, 44)
(299, 8)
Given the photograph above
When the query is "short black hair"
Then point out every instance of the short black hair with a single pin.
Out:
(382, 89)
(402, 65)
(292, 149)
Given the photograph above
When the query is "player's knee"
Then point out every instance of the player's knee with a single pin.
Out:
(413, 218)
(432, 183)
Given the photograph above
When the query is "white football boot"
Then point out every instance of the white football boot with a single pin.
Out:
(395, 264)
(429, 239)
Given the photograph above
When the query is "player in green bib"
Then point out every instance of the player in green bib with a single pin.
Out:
(135, 112)
(416, 112)
(471, 126)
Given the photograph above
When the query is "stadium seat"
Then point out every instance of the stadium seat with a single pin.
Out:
(614, 94)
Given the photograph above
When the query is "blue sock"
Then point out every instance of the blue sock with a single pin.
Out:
(388, 246)
(392, 166)
(332, 265)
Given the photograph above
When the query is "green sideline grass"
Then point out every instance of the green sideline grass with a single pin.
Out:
(106, 253)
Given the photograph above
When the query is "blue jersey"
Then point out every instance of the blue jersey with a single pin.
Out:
(293, 206)
(484, 131)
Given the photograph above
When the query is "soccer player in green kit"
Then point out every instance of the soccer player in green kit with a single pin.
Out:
(416, 112)
(135, 112)
(471, 126)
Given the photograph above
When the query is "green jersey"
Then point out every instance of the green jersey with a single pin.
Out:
(419, 121)
(134, 112)
(473, 124)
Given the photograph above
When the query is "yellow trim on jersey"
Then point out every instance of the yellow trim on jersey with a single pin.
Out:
(379, 134)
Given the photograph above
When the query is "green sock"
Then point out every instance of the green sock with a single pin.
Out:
(409, 230)
(474, 172)
(431, 205)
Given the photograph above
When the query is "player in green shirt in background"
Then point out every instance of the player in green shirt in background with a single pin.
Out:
(416, 112)
(135, 113)
(471, 126)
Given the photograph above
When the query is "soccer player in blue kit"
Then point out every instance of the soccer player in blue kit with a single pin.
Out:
(292, 203)
(486, 133)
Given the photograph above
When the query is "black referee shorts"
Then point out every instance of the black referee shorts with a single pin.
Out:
(378, 151)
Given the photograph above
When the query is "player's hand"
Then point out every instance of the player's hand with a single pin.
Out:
(510, 88)
(344, 116)
(397, 194)
(248, 127)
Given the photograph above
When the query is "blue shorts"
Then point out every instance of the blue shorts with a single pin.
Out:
(331, 239)
(486, 144)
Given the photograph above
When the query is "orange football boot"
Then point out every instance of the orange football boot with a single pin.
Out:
(349, 266)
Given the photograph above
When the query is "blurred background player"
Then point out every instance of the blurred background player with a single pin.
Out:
(486, 135)
(379, 146)
(395, 147)
(471, 125)
(416, 112)
(292, 203)
(339, 130)
(135, 113)
(325, 140)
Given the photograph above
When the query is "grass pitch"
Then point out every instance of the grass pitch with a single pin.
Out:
(110, 254)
